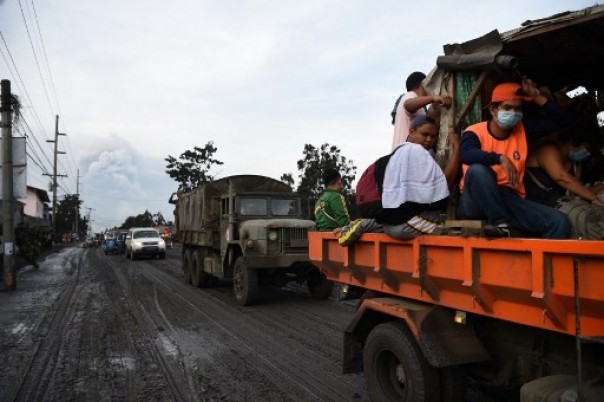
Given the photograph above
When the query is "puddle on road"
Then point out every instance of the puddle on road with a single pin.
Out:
(168, 345)
(122, 363)
(19, 329)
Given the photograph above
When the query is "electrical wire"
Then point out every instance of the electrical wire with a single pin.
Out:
(52, 83)
(24, 88)
(36, 58)
(70, 153)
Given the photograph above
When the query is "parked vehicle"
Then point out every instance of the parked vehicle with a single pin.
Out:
(522, 318)
(144, 242)
(249, 229)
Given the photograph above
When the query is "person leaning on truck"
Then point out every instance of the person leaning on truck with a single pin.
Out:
(493, 156)
(330, 209)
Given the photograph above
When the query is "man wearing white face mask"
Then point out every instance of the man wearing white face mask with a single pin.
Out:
(493, 156)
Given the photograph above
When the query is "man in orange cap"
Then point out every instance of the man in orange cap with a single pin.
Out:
(493, 156)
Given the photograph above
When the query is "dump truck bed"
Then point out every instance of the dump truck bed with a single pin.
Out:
(541, 283)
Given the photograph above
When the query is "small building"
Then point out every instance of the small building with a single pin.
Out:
(35, 203)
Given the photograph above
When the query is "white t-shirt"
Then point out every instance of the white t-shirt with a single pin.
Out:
(403, 119)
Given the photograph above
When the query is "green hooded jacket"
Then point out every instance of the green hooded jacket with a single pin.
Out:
(331, 211)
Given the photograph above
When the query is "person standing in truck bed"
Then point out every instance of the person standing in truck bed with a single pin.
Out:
(412, 104)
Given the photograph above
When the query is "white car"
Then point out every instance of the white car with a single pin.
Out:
(144, 241)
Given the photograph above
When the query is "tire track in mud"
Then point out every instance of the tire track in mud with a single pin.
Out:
(172, 371)
(312, 373)
(36, 371)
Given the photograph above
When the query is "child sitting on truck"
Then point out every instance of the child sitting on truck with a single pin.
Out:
(330, 209)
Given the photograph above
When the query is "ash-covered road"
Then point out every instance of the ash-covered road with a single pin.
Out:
(85, 326)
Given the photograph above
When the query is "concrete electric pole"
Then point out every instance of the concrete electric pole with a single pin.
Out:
(54, 173)
(8, 215)
(77, 208)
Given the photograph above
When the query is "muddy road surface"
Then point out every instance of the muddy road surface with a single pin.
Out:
(85, 326)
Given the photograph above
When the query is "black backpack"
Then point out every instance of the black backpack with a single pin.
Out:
(393, 113)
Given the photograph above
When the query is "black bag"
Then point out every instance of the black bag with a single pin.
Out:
(393, 113)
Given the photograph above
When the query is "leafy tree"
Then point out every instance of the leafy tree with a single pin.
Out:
(159, 220)
(192, 167)
(287, 178)
(66, 215)
(141, 220)
(311, 167)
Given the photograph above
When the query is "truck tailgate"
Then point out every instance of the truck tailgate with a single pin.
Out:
(526, 281)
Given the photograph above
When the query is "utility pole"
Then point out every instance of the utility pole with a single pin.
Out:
(8, 215)
(89, 221)
(54, 173)
(77, 208)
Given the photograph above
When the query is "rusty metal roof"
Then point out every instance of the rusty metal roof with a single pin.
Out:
(565, 48)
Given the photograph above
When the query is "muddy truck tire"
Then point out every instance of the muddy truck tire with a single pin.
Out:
(199, 278)
(395, 368)
(245, 283)
(319, 286)
(186, 265)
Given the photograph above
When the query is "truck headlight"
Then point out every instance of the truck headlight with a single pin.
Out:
(273, 236)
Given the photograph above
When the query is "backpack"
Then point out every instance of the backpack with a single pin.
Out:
(393, 113)
(369, 188)
(587, 220)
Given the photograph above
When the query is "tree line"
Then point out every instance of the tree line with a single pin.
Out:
(193, 168)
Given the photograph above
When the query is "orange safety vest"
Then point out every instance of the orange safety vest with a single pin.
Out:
(514, 146)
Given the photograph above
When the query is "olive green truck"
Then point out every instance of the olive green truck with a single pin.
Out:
(248, 229)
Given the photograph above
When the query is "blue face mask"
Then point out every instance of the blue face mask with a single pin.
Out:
(507, 119)
(579, 156)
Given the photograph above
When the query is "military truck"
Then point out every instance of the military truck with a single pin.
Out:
(250, 229)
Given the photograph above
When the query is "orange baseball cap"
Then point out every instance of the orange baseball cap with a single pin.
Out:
(508, 90)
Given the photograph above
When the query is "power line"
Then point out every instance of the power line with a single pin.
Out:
(34, 113)
(36, 58)
(32, 149)
(10, 70)
(24, 121)
(53, 87)
(37, 163)
(52, 83)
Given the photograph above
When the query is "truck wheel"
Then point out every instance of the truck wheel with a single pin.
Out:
(198, 277)
(186, 265)
(319, 286)
(245, 283)
(395, 369)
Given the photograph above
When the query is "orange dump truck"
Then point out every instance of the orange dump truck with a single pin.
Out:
(447, 312)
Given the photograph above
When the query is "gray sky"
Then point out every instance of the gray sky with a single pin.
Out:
(135, 81)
